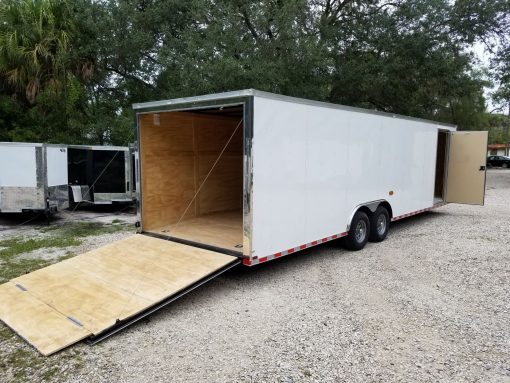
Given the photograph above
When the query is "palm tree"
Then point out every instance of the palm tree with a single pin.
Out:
(35, 38)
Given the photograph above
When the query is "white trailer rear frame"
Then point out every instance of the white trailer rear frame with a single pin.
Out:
(33, 177)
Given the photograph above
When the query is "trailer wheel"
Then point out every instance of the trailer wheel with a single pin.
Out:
(359, 232)
(379, 224)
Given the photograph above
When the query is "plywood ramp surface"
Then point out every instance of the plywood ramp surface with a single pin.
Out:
(62, 304)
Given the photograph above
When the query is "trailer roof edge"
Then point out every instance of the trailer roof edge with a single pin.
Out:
(147, 106)
(98, 147)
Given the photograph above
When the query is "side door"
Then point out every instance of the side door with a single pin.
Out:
(466, 168)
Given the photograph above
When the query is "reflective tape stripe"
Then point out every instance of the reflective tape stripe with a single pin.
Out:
(418, 211)
(255, 261)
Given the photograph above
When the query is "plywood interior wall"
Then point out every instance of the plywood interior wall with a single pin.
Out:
(177, 150)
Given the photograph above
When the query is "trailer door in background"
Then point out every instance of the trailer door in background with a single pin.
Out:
(466, 168)
(56, 165)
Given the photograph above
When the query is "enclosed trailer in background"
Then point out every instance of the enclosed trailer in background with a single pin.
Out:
(33, 177)
(100, 175)
(245, 177)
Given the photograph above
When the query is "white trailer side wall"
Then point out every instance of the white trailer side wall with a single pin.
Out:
(313, 165)
(18, 166)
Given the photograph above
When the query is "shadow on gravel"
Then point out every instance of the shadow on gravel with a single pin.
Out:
(243, 277)
(403, 224)
(113, 208)
(321, 253)
(10, 221)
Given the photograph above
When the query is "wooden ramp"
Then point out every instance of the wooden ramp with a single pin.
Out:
(59, 305)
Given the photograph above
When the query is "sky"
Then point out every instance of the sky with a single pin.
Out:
(484, 58)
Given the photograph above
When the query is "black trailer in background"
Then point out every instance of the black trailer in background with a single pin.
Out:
(100, 175)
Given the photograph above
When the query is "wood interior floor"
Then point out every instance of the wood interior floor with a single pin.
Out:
(223, 229)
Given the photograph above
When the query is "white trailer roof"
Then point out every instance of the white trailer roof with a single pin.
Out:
(32, 144)
(99, 147)
(235, 97)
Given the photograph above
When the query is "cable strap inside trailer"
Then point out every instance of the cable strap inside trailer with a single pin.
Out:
(209, 173)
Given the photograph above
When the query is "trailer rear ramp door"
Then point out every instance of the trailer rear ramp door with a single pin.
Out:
(466, 168)
(93, 293)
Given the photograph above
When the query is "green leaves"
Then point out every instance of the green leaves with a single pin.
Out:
(35, 41)
(75, 67)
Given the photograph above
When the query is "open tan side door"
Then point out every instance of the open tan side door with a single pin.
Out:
(466, 168)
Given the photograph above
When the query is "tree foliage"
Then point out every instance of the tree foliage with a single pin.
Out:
(71, 69)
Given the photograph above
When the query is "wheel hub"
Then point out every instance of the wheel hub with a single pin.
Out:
(381, 224)
(361, 231)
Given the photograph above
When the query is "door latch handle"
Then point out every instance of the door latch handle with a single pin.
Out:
(482, 168)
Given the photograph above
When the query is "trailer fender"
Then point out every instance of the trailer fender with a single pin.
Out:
(369, 208)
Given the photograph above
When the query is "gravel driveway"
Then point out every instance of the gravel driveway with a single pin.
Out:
(431, 303)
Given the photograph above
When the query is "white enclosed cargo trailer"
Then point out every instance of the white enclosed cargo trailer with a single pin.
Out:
(33, 177)
(295, 173)
(244, 177)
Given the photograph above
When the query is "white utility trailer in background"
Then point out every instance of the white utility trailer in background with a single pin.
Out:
(245, 177)
(33, 177)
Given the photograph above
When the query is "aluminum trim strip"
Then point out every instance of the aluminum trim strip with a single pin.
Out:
(278, 97)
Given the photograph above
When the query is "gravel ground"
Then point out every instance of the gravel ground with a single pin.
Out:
(431, 303)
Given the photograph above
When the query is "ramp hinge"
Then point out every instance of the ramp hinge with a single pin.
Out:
(75, 321)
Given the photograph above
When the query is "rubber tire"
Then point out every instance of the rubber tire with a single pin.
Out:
(350, 241)
(374, 235)
(505, 166)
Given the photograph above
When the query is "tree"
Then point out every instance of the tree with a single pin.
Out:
(34, 45)
(38, 66)
(401, 56)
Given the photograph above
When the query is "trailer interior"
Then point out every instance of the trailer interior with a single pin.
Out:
(191, 165)
(101, 171)
(441, 166)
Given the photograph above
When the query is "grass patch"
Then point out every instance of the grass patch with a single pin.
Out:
(13, 266)
(5, 333)
(21, 363)
(50, 373)
(59, 236)
(18, 245)
(18, 361)
(87, 229)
